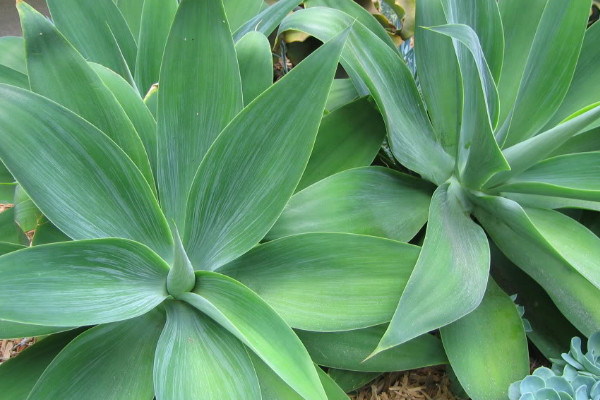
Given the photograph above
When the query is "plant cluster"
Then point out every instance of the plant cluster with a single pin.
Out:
(184, 228)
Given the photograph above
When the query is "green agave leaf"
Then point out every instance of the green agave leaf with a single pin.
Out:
(132, 12)
(7, 181)
(272, 387)
(348, 350)
(11, 77)
(551, 332)
(19, 375)
(240, 11)
(7, 189)
(484, 18)
(133, 105)
(47, 233)
(574, 176)
(198, 359)
(389, 80)
(351, 380)
(358, 201)
(455, 248)
(238, 193)
(525, 244)
(81, 283)
(267, 20)
(12, 53)
(358, 12)
(181, 277)
(479, 156)
(299, 277)
(49, 55)
(341, 93)
(13, 330)
(9, 230)
(256, 64)
(584, 87)
(156, 19)
(549, 202)
(520, 25)
(529, 152)
(99, 31)
(151, 100)
(27, 215)
(197, 98)
(488, 348)
(349, 137)
(251, 320)
(6, 247)
(439, 74)
(581, 143)
(71, 170)
(545, 82)
(111, 361)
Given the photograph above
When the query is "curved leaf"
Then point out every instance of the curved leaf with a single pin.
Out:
(240, 11)
(197, 359)
(238, 193)
(341, 93)
(256, 64)
(9, 230)
(27, 216)
(112, 361)
(81, 283)
(348, 137)
(267, 20)
(156, 19)
(574, 176)
(49, 55)
(488, 348)
(351, 380)
(13, 330)
(19, 375)
(98, 30)
(15, 78)
(545, 82)
(348, 350)
(71, 171)
(391, 84)
(197, 98)
(300, 276)
(358, 201)
(455, 248)
(247, 317)
(132, 12)
(12, 53)
(6, 247)
(516, 235)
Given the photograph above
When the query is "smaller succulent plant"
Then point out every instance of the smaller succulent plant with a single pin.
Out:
(576, 376)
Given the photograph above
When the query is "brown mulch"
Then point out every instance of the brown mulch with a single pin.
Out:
(423, 384)
(11, 347)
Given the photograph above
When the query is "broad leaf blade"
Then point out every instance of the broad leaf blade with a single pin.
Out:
(112, 361)
(81, 283)
(267, 20)
(9, 230)
(71, 170)
(13, 330)
(545, 82)
(197, 98)
(455, 248)
(19, 375)
(196, 358)
(12, 53)
(368, 59)
(156, 19)
(349, 137)
(15, 78)
(238, 193)
(49, 55)
(341, 93)
(575, 176)
(98, 30)
(488, 348)
(348, 350)
(27, 215)
(247, 317)
(256, 64)
(240, 11)
(439, 74)
(132, 12)
(358, 201)
(516, 235)
(300, 276)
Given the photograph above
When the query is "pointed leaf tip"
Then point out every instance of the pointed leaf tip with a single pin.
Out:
(181, 277)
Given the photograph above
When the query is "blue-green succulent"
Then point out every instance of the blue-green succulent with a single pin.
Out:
(576, 376)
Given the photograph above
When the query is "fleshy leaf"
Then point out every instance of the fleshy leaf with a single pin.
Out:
(256, 64)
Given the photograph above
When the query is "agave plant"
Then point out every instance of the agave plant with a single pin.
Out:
(136, 303)
(575, 376)
(503, 124)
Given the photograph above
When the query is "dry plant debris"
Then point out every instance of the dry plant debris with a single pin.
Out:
(11, 347)
(423, 384)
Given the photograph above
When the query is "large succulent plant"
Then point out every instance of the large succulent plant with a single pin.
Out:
(504, 125)
(137, 301)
